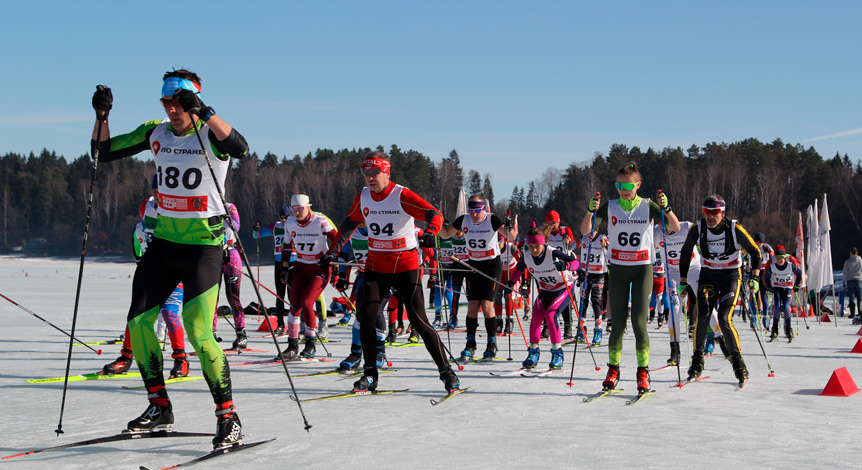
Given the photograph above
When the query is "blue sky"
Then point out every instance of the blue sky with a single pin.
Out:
(515, 87)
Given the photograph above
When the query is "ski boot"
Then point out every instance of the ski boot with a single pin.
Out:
(774, 334)
(241, 341)
(309, 349)
(352, 361)
(401, 328)
(597, 336)
(545, 332)
(181, 364)
(450, 380)
(567, 332)
(556, 359)
(723, 346)
(660, 320)
(696, 365)
(526, 313)
(453, 321)
(413, 338)
(499, 325)
(491, 349)
(739, 369)
(322, 329)
(710, 344)
(291, 352)
(580, 338)
(651, 316)
(510, 326)
(469, 349)
(612, 378)
(228, 428)
(643, 379)
(368, 381)
(438, 319)
(674, 354)
(155, 417)
(858, 320)
(345, 320)
(532, 359)
(788, 330)
(390, 338)
(380, 359)
(121, 365)
(278, 331)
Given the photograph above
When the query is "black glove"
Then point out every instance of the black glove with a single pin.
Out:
(582, 276)
(256, 227)
(510, 286)
(796, 288)
(285, 277)
(560, 265)
(428, 240)
(225, 257)
(341, 284)
(325, 261)
(432, 281)
(508, 223)
(103, 100)
(191, 102)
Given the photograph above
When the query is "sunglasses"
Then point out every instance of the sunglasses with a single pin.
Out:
(296, 208)
(476, 211)
(282, 217)
(167, 102)
(625, 186)
(371, 171)
(712, 211)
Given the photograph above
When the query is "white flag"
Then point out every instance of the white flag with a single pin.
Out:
(825, 247)
(462, 204)
(813, 248)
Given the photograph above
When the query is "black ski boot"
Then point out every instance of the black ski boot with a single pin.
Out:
(279, 330)
(490, 350)
(155, 417)
(390, 338)
(291, 352)
(788, 330)
(368, 381)
(499, 325)
(567, 332)
(509, 326)
(470, 349)
(450, 380)
(181, 364)
(545, 332)
(674, 354)
(241, 341)
(229, 429)
(353, 360)
(651, 316)
(774, 335)
(739, 369)
(309, 349)
(380, 358)
(696, 365)
(121, 365)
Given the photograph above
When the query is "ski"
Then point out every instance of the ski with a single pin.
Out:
(741, 385)
(538, 373)
(479, 360)
(167, 381)
(405, 345)
(449, 395)
(688, 381)
(640, 396)
(276, 361)
(509, 374)
(216, 453)
(352, 393)
(663, 367)
(93, 376)
(603, 393)
(235, 351)
(355, 373)
(100, 343)
(124, 436)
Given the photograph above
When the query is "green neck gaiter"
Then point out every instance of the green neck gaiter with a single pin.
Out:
(629, 205)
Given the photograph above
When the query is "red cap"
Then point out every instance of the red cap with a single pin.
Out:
(552, 216)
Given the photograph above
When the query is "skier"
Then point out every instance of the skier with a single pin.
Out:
(852, 282)
(552, 270)
(480, 231)
(783, 278)
(630, 236)
(657, 299)
(459, 251)
(310, 235)
(766, 254)
(509, 256)
(393, 261)
(720, 242)
(443, 283)
(187, 241)
(169, 319)
(232, 272)
(560, 237)
(592, 276)
(276, 230)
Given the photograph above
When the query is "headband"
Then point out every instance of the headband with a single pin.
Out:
(371, 163)
(172, 84)
(535, 239)
(300, 200)
(714, 205)
(475, 205)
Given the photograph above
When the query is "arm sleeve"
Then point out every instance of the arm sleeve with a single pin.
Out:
(458, 223)
(557, 254)
(421, 209)
(496, 222)
(234, 145)
(747, 243)
(687, 248)
(265, 231)
(601, 213)
(655, 212)
(125, 145)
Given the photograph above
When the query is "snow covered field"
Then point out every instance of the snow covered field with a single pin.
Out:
(504, 422)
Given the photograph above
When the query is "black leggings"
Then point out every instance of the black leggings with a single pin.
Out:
(408, 288)
(717, 289)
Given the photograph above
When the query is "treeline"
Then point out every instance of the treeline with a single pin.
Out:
(766, 185)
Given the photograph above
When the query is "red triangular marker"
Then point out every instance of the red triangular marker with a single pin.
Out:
(840, 384)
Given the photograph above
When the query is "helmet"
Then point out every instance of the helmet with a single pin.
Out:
(284, 210)
(759, 237)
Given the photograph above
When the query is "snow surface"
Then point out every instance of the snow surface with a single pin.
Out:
(505, 422)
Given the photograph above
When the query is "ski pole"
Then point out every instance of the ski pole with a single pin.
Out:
(248, 267)
(424, 268)
(50, 324)
(666, 279)
(100, 118)
(257, 246)
(587, 262)
(756, 314)
(507, 294)
(589, 346)
(801, 310)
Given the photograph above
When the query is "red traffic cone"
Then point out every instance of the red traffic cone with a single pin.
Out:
(858, 347)
(859, 332)
(825, 318)
(840, 384)
(272, 322)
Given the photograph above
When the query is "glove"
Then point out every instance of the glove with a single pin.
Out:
(103, 100)
(560, 265)
(325, 261)
(191, 103)
(508, 223)
(225, 257)
(428, 240)
(662, 202)
(341, 284)
(432, 281)
(581, 277)
(796, 287)
(510, 286)
(594, 204)
(524, 290)
(285, 277)
(333, 279)
(754, 284)
(256, 227)
(682, 289)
